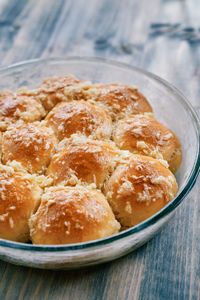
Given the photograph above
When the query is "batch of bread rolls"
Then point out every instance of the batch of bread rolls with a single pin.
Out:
(81, 161)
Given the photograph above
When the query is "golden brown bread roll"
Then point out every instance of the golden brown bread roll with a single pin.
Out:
(0, 145)
(18, 109)
(68, 118)
(19, 197)
(72, 215)
(85, 161)
(67, 156)
(143, 134)
(32, 145)
(51, 91)
(119, 99)
(139, 188)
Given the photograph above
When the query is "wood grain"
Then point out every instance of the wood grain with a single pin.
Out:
(162, 36)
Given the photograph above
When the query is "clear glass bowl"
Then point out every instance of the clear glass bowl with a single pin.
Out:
(170, 107)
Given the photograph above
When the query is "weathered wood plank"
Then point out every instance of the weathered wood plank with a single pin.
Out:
(172, 52)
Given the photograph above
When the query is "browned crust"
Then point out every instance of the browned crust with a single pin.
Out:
(71, 215)
(139, 188)
(69, 158)
(143, 134)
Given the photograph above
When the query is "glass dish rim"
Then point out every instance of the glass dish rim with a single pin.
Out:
(150, 221)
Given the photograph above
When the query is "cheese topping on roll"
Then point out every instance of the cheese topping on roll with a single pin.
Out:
(19, 198)
(81, 161)
(81, 117)
(32, 145)
(139, 188)
(143, 134)
(18, 108)
(72, 215)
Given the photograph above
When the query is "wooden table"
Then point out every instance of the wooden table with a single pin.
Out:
(162, 36)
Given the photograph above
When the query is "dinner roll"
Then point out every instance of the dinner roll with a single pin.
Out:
(19, 198)
(67, 118)
(72, 215)
(18, 108)
(139, 188)
(84, 160)
(77, 158)
(32, 145)
(80, 91)
(0, 145)
(119, 99)
(51, 91)
(143, 134)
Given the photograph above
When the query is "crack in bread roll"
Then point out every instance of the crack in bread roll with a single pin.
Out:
(139, 188)
(51, 91)
(19, 198)
(118, 99)
(143, 134)
(18, 108)
(83, 161)
(32, 145)
(72, 215)
(81, 117)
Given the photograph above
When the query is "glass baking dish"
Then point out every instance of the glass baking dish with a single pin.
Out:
(170, 107)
